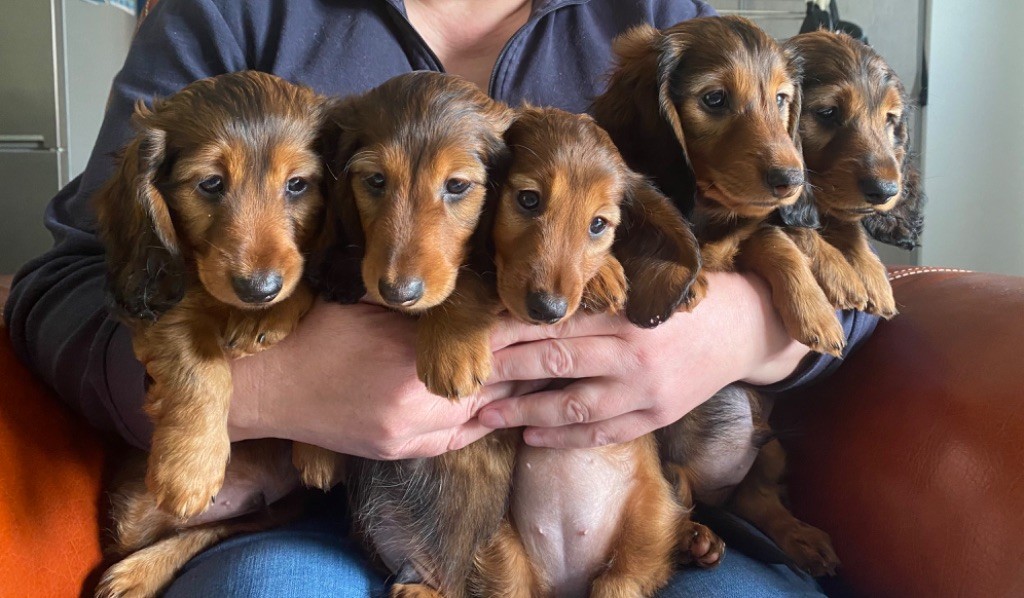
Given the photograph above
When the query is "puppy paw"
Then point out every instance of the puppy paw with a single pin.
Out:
(134, 577)
(185, 480)
(880, 299)
(454, 373)
(817, 327)
(700, 546)
(417, 590)
(846, 293)
(248, 333)
(811, 549)
(318, 467)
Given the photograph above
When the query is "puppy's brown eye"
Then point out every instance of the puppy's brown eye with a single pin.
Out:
(212, 186)
(528, 200)
(715, 100)
(376, 182)
(827, 115)
(456, 186)
(597, 226)
(296, 185)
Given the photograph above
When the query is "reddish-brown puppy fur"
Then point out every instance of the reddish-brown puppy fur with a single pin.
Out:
(855, 137)
(725, 98)
(410, 162)
(571, 218)
(219, 187)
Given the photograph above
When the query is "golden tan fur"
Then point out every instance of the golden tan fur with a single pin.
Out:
(207, 223)
(726, 98)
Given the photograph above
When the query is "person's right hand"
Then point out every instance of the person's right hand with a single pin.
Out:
(346, 380)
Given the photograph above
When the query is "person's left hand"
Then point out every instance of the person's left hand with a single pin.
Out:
(633, 381)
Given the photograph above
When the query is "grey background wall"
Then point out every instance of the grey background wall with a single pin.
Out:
(974, 137)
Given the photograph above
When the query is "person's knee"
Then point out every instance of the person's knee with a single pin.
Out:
(286, 563)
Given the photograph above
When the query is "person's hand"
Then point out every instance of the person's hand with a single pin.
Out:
(346, 380)
(634, 381)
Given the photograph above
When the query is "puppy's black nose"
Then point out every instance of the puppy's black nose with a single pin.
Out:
(404, 291)
(878, 191)
(545, 307)
(783, 182)
(261, 287)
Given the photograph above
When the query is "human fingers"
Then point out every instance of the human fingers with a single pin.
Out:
(616, 430)
(510, 331)
(580, 357)
(582, 402)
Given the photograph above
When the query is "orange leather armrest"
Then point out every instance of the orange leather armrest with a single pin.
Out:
(51, 466)
(912, 455)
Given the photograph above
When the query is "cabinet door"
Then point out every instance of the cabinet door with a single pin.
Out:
(29, 71)
(28, 181)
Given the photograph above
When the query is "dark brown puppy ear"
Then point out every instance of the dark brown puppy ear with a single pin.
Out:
(499, 116)
(335, 268)
(801, 214)
(146, 272)
(795, 66)
(658, 252)
(671, 48)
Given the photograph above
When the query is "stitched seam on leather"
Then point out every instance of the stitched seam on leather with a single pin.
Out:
(898, 274)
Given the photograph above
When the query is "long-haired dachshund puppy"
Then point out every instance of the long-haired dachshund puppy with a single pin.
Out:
(207, 222)
(410, 161)
(573, 223)
(710, 110)
(855, 137)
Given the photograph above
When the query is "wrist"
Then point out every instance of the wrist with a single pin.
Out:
(252, 380)
(752, 341)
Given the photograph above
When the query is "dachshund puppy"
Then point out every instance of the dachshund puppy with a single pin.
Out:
(855, 140)
(573, 223)
(410, 161)
(207, 222)
(710, 110)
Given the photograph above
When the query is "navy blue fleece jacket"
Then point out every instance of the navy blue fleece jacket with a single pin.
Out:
(56, 312)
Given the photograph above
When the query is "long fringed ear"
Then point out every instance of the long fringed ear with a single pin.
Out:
(670, 49)
(146, 271)
(335, 268)
(801, 214)
(659, 255)
(902, 226)
(500, 117)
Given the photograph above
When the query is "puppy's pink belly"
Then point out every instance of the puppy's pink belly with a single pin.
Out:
(567, 506)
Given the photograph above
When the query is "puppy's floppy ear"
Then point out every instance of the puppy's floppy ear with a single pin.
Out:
(335, 268)
(658, 252)
(795, 66)
(801, 214)
(146, 271)
(499, 116)
(671, 48)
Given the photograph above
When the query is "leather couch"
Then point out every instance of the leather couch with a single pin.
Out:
(911, 456)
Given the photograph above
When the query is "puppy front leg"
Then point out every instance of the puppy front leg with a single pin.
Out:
(318, 467)
(835, 275)
(188, 402)
(806, 311)
(453, 344)
(758, 500)
(852, 241)
(503, 568)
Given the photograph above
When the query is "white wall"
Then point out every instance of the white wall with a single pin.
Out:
(974, 137)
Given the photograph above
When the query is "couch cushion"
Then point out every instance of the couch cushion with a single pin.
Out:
(50, 490)
(911, 455)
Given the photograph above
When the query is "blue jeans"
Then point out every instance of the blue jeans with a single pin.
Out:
(314, 558)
